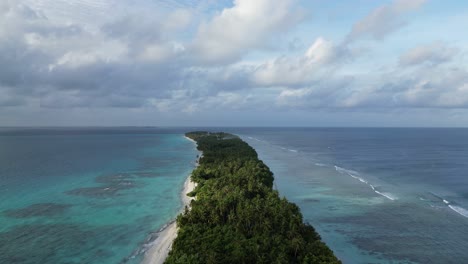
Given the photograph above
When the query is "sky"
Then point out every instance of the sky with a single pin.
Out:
(234, 63)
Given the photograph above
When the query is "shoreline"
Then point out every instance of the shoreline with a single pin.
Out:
(189, 139)
(161, 246)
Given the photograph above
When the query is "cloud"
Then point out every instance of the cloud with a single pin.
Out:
(422, 88)
(237, 30)
(120, 63)
(8, 100)
(130, 61)
(383, 20)
(442, 85)
(326, 93)
(165, 60)
(314, 64)
(432, 54)
(436, 89)
(184, 101)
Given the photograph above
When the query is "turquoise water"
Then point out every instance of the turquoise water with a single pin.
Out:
(97, 195)
(88, 195)
(375, 195)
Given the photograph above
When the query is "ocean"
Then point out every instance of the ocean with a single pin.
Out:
(88, 195)
(376, 195)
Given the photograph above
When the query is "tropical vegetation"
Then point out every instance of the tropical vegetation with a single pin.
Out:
(237, 216)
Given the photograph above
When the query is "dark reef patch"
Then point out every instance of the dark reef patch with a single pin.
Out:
(114, 178)
(149, 174)
(406, 239)
(118, 181)
(39, 209)
(59, 243)
(311, 200)
(111, 185)
(96, 192)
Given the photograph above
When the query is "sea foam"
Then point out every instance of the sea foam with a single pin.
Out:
(354, 174)
(320, 164)
(259, 140)
(460, 210)
(263, 141)
(386, 195)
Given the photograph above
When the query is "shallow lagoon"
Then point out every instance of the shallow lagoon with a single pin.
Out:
(88, 196)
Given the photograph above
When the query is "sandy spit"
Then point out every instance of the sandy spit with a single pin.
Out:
(159, 251)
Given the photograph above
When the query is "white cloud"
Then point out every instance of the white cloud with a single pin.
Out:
(245, 26)
(168, 62)
(132, 60)
(384, 20)
(177, 20)
(325, 93)
(444, 88)
(316, 62)
(158, 53)
(294, 97)
(439, 86)
(421, 88)
(433, 54)
(321, 52)
(184, 101)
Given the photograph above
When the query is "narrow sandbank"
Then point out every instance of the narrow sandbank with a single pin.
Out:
(161, 246)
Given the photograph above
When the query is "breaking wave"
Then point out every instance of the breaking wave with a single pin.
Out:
(354, 174)
(456, 208)
(320, 164)
(460, 210)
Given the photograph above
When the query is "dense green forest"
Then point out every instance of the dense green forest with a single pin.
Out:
(237, 217)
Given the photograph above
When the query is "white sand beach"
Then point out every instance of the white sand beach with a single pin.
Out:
(162, 245)
(190, 140)
(158, 252)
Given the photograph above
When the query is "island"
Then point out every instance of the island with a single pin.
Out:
(236, 216)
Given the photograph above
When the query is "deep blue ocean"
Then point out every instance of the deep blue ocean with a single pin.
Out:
(88, 195)
(375, 195)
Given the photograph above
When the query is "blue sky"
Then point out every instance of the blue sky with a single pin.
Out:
(233, 63)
